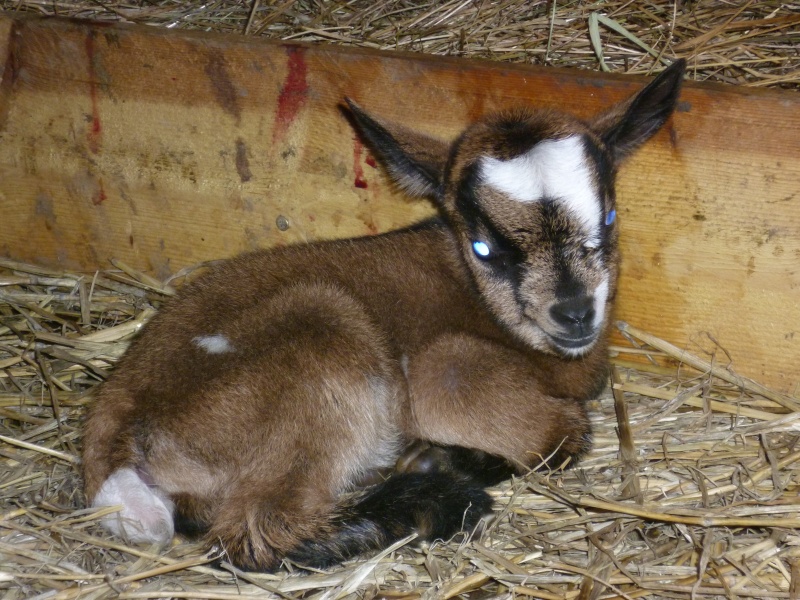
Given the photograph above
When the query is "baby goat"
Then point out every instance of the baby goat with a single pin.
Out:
(258, 405)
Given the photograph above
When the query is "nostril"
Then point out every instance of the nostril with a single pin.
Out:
(574, 312)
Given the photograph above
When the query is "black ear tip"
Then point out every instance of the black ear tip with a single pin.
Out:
(667, 84)
(355, 114)
(677, 68)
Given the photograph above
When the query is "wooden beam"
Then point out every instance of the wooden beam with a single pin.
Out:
(165, 148)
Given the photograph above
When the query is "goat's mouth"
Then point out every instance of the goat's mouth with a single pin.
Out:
(549, 337)
(573, 345)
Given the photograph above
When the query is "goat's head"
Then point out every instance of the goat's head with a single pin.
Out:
(530, 198)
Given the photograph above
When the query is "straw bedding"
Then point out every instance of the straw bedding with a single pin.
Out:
(744, 42)
(692, 489)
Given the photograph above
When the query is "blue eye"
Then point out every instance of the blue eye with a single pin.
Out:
(481, 249)
(612, 214)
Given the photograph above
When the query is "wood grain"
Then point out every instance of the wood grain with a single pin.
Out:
(165, 148)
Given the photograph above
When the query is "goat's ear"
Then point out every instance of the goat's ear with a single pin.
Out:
(629, 124)
(414, 161)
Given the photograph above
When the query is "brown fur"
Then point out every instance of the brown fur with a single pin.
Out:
(343, 352)
(245, 438)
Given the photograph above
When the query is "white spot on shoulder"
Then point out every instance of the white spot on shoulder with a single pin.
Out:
(404, 365)
(553, 169)
(214, 344)
(146, 514)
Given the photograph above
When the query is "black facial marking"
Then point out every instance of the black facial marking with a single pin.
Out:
(504, 255)
(603, 167)
(556, 224)
(564, 247)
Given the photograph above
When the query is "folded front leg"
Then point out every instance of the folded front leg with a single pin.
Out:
(480, 395)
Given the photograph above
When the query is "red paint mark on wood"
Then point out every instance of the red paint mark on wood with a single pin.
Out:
(358, 149)
(100, 196)
(370, 160)
(293, 93)
(95, 128)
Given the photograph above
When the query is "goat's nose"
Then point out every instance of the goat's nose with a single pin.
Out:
(575, 314)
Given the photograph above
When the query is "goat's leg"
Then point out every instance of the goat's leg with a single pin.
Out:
(485, 410)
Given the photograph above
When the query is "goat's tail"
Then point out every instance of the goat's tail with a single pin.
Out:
(433, 505)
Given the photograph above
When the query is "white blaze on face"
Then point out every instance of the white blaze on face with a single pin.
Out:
(213, 344)
(600, 299)
(552, 169)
